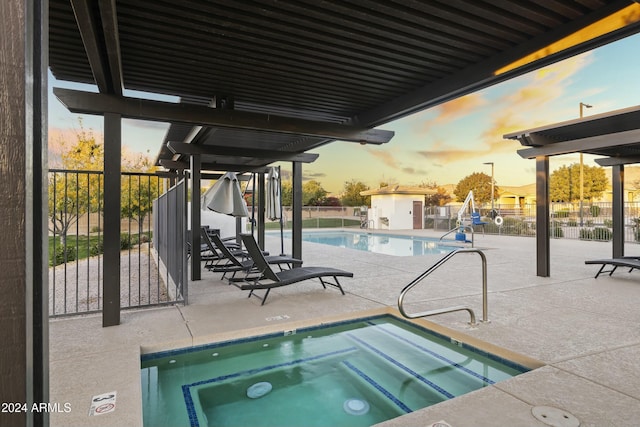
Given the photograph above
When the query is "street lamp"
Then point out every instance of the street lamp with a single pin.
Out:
(492, 190)
(582, 104)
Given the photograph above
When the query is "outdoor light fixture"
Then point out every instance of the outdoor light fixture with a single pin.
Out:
(492, 189)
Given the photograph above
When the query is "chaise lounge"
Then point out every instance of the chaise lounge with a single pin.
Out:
(631, 262)
(234, 261)
(270, 279)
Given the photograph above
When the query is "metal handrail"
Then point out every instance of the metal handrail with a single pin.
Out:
(485, 311)
(464, 228)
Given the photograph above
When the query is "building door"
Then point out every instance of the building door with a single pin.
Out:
(417, 215)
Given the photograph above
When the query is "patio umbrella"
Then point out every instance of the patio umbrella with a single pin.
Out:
(274, 208)
(274, 200)
(225, 197)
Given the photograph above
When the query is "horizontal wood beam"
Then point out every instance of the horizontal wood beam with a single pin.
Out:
(135, 108)
(615, 161)
(109, 18)
(583, 145)
(532, 140)
(227, 167)
(90, 32)
(212, 150)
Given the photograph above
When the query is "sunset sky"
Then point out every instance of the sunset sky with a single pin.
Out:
(446, 143)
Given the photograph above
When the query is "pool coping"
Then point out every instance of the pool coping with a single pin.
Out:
(289, 327)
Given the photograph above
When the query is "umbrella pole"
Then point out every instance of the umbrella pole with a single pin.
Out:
(253, 202)
(280, 201)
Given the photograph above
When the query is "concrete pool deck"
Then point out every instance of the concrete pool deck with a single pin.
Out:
(584, 330)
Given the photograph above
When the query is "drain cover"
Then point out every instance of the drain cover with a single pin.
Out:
(555, 417)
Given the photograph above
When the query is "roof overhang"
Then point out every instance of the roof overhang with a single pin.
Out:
(615, 134)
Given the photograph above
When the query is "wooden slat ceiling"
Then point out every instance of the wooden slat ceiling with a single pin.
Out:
(357, 62)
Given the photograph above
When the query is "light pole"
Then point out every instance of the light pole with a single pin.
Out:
(492, 189)
(582, 104)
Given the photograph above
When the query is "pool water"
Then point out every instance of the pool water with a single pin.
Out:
(379, 243)
(354, 373)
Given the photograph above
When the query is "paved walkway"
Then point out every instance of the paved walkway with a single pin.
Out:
(584, 330)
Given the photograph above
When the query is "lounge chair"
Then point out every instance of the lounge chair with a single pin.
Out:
(234, 261)
(270, 279)
(631, 262)
(206, 253)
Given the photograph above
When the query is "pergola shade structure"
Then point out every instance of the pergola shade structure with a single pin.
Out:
(354, 63)
(615, 135)
(261, 81)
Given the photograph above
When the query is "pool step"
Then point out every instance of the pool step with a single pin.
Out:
(439, 368)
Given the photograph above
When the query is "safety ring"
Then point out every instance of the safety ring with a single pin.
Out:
(498, 220)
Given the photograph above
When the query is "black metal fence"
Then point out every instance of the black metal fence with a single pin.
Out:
(169, 225)
(76, 242)
(593, 222)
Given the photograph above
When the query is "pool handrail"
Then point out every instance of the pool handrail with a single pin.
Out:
(430, 270)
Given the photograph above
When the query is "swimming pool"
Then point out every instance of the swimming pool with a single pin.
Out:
(389, 244)
(353, 373)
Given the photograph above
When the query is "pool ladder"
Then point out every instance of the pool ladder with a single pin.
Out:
(430, 270)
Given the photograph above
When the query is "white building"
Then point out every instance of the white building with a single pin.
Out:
(396, 207)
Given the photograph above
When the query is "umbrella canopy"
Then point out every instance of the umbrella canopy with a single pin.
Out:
(274, 208)
(225, 197)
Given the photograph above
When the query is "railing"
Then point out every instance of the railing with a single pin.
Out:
(485, 312)
(76, 242)
(321, 217)
(595, 223)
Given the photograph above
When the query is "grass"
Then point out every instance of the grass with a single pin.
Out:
(81, 245)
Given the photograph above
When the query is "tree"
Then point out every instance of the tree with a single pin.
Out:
(287, 193)
(480, 183)
(138, 191)
(441, 197)
(564, 183)
(74, 194)
(312, 193)
(351, 194)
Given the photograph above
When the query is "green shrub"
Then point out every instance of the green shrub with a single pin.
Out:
(594, 210)
(61, 256)
(97, 248)
(556, 230)
(128, 241)
(602, 233)
(562, 213)
(636, 229)
(572, 222)
(608, 223)
(95, 229)
(598, 233)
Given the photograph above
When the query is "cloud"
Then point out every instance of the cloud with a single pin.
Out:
(459, 107)
(513, 112)
(307, 176)
(452, 110)
(414, 171)
(386, 157)
(547, 84)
